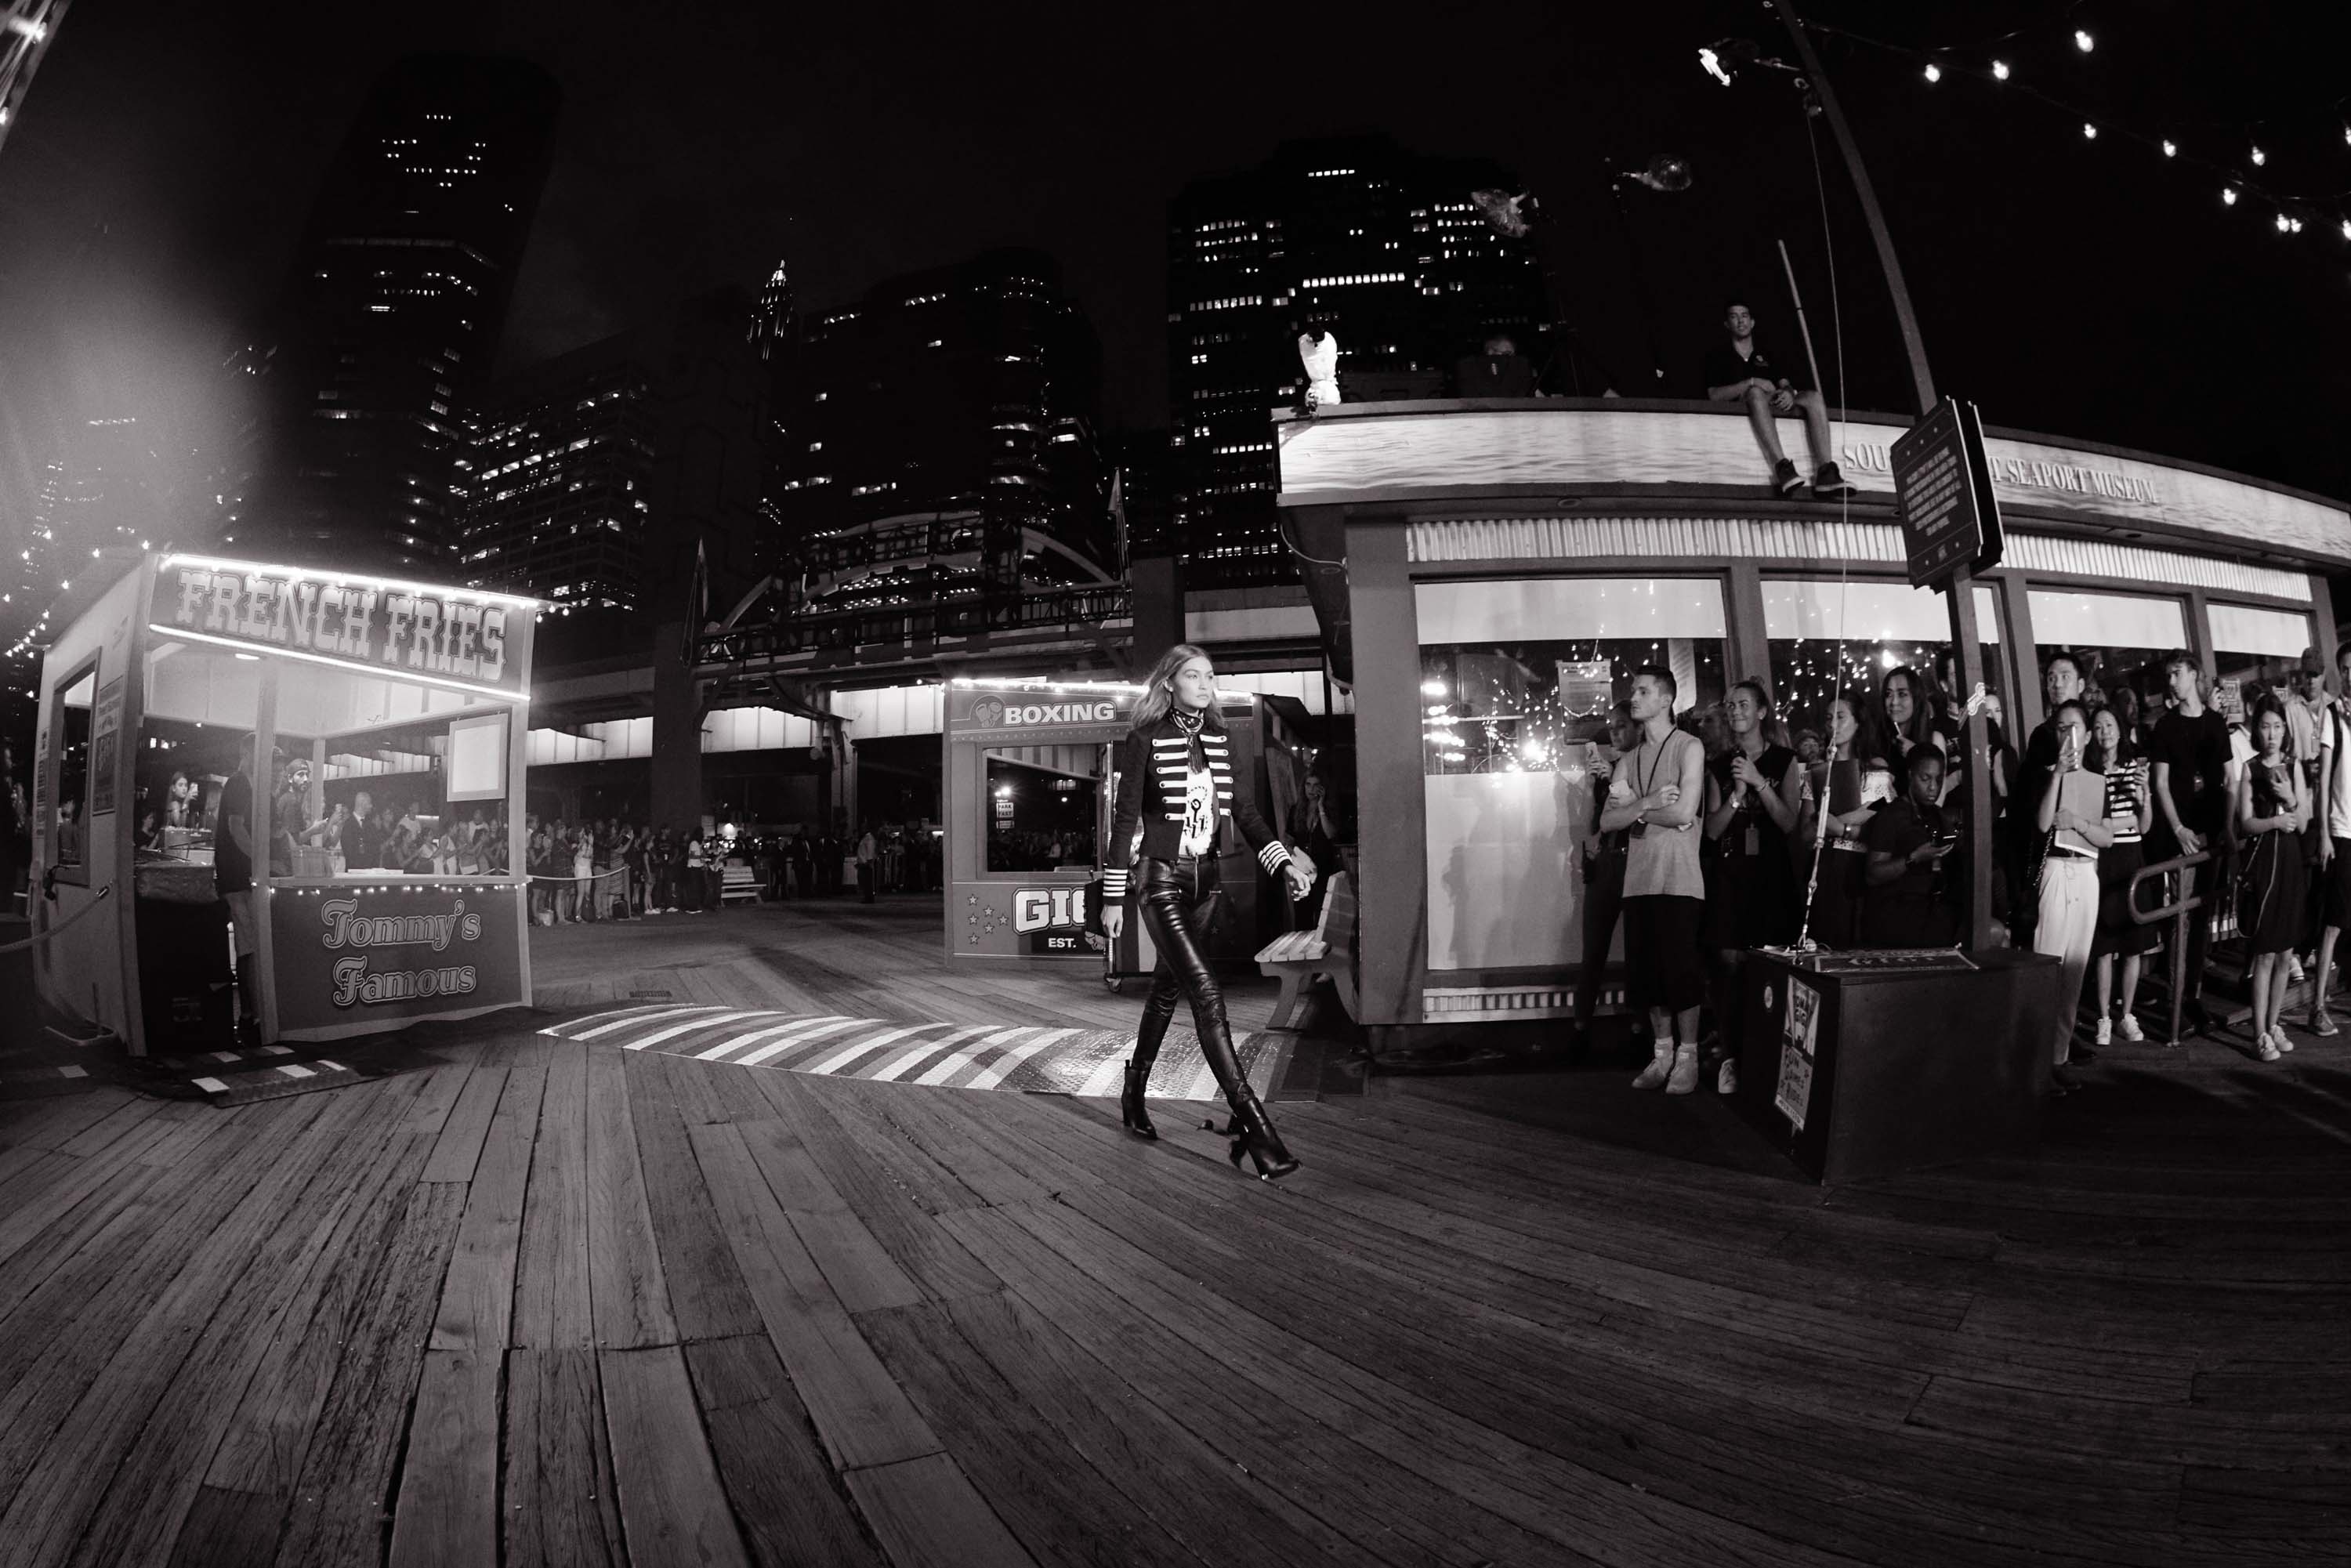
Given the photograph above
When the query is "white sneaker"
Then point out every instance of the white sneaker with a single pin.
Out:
(2129, 1029)
(1683, 1079)
(2294, 968)
(1654, 1075)
(2106, 1035)
(2278, 1033)
(1726, 1079)
(2266, 1048)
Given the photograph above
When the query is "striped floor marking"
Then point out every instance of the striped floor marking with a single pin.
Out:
(293, 1070)
(1022, 1058)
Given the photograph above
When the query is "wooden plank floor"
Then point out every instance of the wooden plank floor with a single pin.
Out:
(552, 1301)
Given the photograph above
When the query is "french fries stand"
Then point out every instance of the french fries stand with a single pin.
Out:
(381, 728)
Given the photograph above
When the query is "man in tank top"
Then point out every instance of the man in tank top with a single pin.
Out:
(1656, 798)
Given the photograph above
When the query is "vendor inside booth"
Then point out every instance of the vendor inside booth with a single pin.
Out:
(286, 805)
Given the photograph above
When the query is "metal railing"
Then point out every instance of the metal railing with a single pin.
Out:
(1074, 610)
(2177, 912)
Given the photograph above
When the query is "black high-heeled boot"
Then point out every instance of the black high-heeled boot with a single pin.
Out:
(1131, 1108)
(1251, 1131)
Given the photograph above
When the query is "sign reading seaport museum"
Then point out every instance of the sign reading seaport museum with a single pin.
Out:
(397, 628)
(1950, 520)
(349, 958)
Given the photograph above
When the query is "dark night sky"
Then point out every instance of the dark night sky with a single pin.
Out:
(166, 156)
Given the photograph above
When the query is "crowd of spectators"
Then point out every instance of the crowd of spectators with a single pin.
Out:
(610, 868)
(1717, 831)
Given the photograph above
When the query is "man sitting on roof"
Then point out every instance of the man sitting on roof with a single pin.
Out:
(1738, 372)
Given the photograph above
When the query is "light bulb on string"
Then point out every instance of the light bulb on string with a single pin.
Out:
(2260, 157)
(1934, 72)
(2082, 41)
(2171, 148)
(2228, 194)
(2346, 229)
(2089, 131)
(1999, 70)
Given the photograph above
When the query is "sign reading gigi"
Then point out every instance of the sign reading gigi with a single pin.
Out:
(1043, 908)
(435, 631)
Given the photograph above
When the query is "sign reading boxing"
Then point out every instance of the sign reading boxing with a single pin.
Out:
(397, 628)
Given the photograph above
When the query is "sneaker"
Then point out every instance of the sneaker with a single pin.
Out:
(1726, 1079)
(2130, 1029)
(2266, 1048)
(2294, 968)
(1683, 1079)
(2106, 1035)
(2278, 1033)
(1829, 484)
(2321, 1024)
(1654, 1075)
(1785, 477)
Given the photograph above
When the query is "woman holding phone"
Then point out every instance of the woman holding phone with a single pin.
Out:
(1175, 790)
(2270, 808)
(2072, 813)
(2129, 809)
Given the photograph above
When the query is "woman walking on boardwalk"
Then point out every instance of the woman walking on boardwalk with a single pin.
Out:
(1176, 789)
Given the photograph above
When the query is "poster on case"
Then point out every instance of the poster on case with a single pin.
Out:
(1799, 1031)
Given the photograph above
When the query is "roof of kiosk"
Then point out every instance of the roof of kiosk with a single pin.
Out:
(1458, 449)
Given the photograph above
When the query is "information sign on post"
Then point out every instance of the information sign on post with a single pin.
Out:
(1950, 521)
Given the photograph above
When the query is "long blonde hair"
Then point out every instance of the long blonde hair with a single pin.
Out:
(1159, 693)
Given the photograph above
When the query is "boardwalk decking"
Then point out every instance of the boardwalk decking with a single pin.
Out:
(555, 1300)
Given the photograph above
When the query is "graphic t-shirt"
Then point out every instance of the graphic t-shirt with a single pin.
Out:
(1199, 812)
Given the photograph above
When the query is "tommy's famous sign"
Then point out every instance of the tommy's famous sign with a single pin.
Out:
(394, 627)
(349, 961)
(424, 939)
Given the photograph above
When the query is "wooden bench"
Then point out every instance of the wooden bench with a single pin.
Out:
(1299, 959)
(740, 881)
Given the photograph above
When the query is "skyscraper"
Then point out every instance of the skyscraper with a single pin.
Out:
(26, 29)
(591, 480)
(559, 480)
(771, 319)
(940, 438)
(1352, 235)
(393, 316)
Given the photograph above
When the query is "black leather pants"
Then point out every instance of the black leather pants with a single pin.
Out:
(1179, 901)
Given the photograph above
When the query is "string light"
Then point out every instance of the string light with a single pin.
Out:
(2293, 210)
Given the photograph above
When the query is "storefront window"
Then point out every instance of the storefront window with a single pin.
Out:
(2118, 640)
(2252, 649)
(1825, 636)
(71, 727)
(1041, 814)
(1517, 679)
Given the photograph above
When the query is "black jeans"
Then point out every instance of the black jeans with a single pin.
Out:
(1179, 902)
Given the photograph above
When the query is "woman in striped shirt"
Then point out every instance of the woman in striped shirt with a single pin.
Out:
(2114, 751)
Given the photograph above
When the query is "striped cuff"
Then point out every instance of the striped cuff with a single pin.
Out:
(1114, 885)
(1273, 857)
